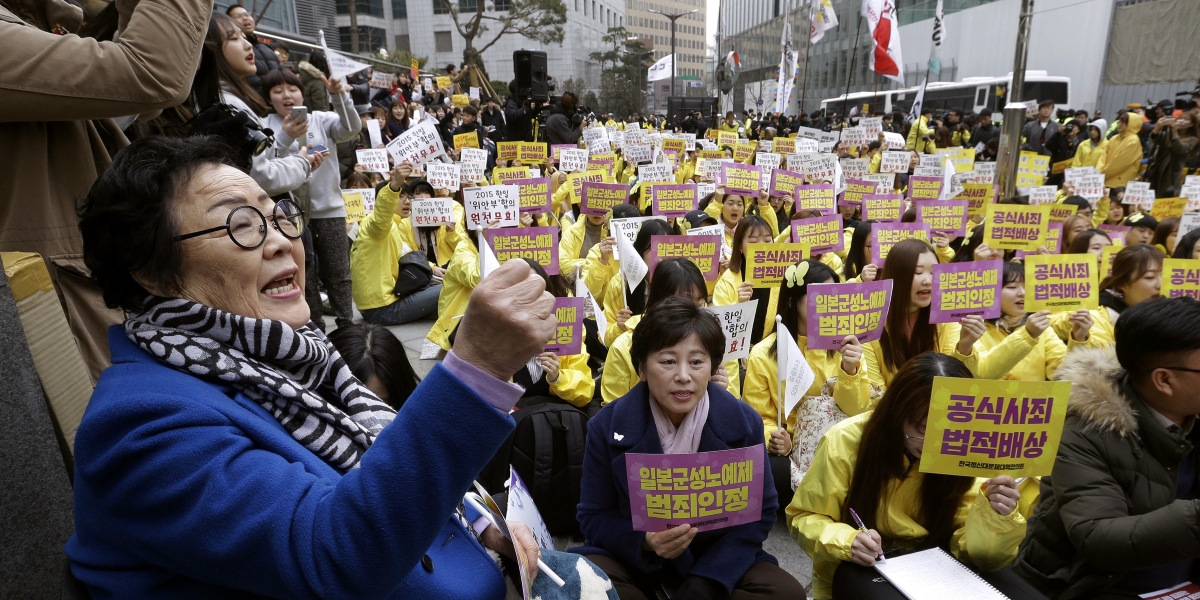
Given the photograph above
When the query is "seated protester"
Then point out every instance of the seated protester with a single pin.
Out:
(623, 307)
(327, 217)
(1118, 516)
(941, 241)
(1188, 246)
(1071, 226)
(732, 287)
(1084, 208)
(1143, 226)
(1023, 336)
(377, 359)
(601, 266)
(672, 277)
(579, 239)
(907, 331)
(829, 258)
(461, 278)
(858, 265)
(783, 207)
(437, 242)
(675, 409)
(563, 379)
(870, 463)
(761, 388)
(731, 208)
(1136, 276)
(376, 254)
(1089, 241)
(1165, 235)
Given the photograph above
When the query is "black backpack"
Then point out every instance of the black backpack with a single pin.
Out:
(546, 450)
(414, 275)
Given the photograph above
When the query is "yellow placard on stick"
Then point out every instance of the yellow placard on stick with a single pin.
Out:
(535, 151)
(727, 138)
(508, 150)
(1061, 282)
(984, 428)
(1031, 169)
(1016, 226)
(1165, 208)
(744, 152)
(443, 82)
(766, 263)
(507, 174)
(356, 209)
(460, 100)
(466, 140)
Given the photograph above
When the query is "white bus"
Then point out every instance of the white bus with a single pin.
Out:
(972, 94)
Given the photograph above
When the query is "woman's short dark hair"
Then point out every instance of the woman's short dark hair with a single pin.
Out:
(373, 351)
(1083, 240)
(1130, 264)
(317, 59)
(747, 224)
(127, 219)
(1185, 244)
(276, 77)
(676, 277)
(671, 321)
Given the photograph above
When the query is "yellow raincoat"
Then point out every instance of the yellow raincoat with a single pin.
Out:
(572, 242)
(1039, 359)
(460, 280)
(620, 375)
(575, 383)
(982, 538)
(1121, 160)
(1101, 335)
(726, 294)
(916, 136)
(947, 335)
(1086, 155)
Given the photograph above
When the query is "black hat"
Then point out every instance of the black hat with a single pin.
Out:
(699, 218)
(412, 187)
(1141, 219)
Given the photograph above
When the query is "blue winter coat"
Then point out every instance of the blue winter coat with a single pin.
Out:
(186, 489)
(723, 555)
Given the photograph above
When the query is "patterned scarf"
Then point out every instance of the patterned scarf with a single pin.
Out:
(292, 373)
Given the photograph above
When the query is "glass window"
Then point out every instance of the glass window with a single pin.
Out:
(443, 41)
(440, 7)
(362, 7)
(503, 5)
(369, 38)
(468, 5)
(402, 43)
(399, 9)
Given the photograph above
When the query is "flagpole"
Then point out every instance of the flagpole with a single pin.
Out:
(850, 71)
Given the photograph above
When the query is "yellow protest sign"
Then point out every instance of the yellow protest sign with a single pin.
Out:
(984, 428)
(1061, 166)
(460, 100)
(443, 82)
(743, 152)
(603, 162)
(978, 197)
(1165, 208)
(727, 138)
(1061, 282)
(533, 151)
(784, 146)
(356, 209)
(508, 150)
(466, 140)
(1016, 226)
(1181, 277)
(575, 181)
(711, 154)
(507, 174)
(963, 159)
(1107, 257)
(674, 145)
(1060, 212)
(766, 263)
(1031, 169)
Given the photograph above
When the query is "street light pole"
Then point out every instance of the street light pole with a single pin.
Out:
(674, 57)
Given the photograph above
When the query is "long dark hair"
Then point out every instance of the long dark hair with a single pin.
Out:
(554, 283)
(881, 452)
(1130, 264)
(792, 298)
(856, 256)
(966, 250)
(636, 299)
(373, 351)
(676, 277)
(1083, 239)
(1185, 244)
(900, 266)
(737, 260)
(215, 71)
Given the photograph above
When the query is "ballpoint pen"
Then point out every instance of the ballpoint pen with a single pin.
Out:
(863, 528)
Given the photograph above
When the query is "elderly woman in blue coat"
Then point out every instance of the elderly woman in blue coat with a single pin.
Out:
(228, 451)
(675, 409)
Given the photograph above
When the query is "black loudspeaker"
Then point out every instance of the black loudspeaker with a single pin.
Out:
(530, 68)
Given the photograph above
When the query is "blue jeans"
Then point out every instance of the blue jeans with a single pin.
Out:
(413, 307)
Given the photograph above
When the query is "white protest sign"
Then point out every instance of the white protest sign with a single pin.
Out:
(883, 181)
(819, 167)
(627, 228)
(1070, 175)
(418, 145)
(737, 321)
(985, 172)
(473, 93)
(572, 160)
(931, 160)
(431, 212)
(795, 374)
(807, 145)
(1030, 108)
(596, 140)
(766, 145)
(895, 161)
(1191, 180)
(717, 230)
(375, 161)
(873, 126)
(795, 161)
(427, 83)
(807, 133)
(368, 198)
(471, 173)
(893, 141)
(854, 167)
(1192, 193)
(478, 155)
(443, 176)
(827, 140)
(1139, 194)
(1043, 194)
(340, 66)
(1188, 222)
(927, 172)
(521, 509)
(855, 136)
(1090, 187)
(374, 133)
(768, 161)
(492, 203)
(381, 80)
(638, 153)
(636, 136)
(704, 189)
(707, 144)
(654, 173)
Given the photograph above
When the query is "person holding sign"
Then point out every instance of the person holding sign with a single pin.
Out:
(561, 379)
(1091, 241)
(460, 279)
(907, 331)
(732, 287)
(1018, 337)
(672, 277)
(1136, 277)
(676, 409)
(858, 265)
(1118, 516)
(730, 208)
(761, 389)
(868, 463)
(623, 306)
(601, 267)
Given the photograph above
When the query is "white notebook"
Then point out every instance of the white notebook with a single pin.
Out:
(935, 575)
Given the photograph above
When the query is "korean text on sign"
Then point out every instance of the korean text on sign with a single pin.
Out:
(599, 198)
(1181, 277)
(1015, 226)
(886, 235)
(885, 208)
(924, 188)
(703, 250)
(964, 289)
(535, 194)
(855, 190)
(539, 244)
(1059, 282)
(948, 217)
(674, 200)
(819, 234)
(766, 263)
(741, 179)
(500, 203)
(568, 334)
(982, 428)
(431, 212)
(737, 321)
(708, 490)
(418, 145)
(836, 310)
(815, 197)
(784, 182)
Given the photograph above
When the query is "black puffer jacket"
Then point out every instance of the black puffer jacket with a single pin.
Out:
(1110, 506)
(265, 61)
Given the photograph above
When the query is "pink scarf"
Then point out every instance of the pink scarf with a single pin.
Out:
(684, 439)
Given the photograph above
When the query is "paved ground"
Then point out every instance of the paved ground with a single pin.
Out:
(778, 543)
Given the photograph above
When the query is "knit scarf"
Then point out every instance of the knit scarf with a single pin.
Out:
(295, 374)
(684, 439)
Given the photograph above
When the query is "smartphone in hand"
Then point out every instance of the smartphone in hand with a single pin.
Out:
(299, 114)
(317, 148)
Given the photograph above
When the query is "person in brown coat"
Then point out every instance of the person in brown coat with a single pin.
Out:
(59, 96)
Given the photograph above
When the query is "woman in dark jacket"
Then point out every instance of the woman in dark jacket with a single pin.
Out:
(676, 349)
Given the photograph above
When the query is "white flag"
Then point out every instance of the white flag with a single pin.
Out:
(583, 291)
(915, 113)
(823, 19)
(633, 268)
(794, 372)
(939, 33)
(661, 69)
(487, 259)
(885, 38)
(785, 65)
(339, 65)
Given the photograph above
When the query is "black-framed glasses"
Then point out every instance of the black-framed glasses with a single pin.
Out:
(247, 226)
